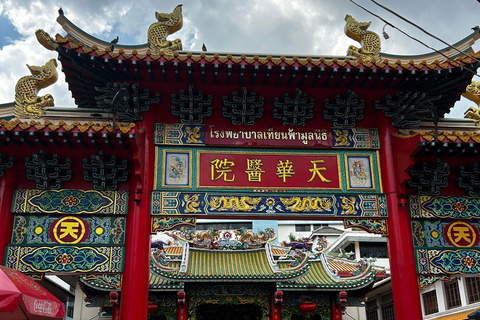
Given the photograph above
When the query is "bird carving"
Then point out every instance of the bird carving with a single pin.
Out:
(60, 11)
(204, 47)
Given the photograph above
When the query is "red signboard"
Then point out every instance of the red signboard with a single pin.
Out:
(268, 170)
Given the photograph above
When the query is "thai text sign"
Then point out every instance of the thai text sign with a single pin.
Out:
(275, 171)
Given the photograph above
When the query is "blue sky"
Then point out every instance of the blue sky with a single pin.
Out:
(8, 33)
(304, 27)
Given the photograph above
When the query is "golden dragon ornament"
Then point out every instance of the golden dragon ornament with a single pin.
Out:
(473, 94)
(28, 105)
(369, 41)
(158, 32)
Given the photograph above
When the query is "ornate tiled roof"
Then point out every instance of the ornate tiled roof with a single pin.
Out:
(320, 277)
(213, 265)
(65, 126)
(257, 59)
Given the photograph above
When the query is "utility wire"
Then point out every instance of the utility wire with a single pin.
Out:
(411, 37)
(423, 30)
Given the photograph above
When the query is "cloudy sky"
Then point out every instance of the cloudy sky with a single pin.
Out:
(304, 27)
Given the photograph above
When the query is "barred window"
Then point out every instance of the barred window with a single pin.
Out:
(473, 289)
(430, 304)
(388, 313)
(302, 227)
(452, 294)
(372, 314)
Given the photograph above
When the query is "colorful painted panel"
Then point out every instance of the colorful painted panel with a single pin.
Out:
(376, 226)
(179, 134)
(454, 207)
(165, 223)
(268, 170)
(38, 230)
(359, 172)
(70, 202)
(356, 138)
(445, 233)
(178, 169)
(60, 259)
(441, 261)
(261, 204)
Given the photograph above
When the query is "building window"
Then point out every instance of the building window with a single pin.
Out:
(452, 294)
(372, 314)
(430, 302)
(302, 227)
(373, 249)
(473, 289)
(387, 311)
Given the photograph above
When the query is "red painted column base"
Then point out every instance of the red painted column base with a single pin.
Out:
(335, 310)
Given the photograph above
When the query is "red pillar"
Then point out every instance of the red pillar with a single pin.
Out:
(7, 187)
(182, 306)
(335, 309)
(135, 283)
(400, 242)
(275, 309)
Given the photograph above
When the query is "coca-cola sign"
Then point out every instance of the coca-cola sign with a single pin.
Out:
(42, 306)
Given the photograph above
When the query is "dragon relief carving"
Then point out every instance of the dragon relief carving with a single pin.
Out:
(27, 103)
(45, 40)
(473, 94)
(158, 32)
(307, 204)
(370, 41)
(234, 203)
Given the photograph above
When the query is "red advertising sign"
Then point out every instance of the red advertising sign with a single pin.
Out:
(268, 170)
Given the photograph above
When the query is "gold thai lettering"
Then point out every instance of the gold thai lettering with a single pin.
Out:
(270, 134)
(316, 171)
(222, 169)
(69, 228)
(285, 170)
(254, 170)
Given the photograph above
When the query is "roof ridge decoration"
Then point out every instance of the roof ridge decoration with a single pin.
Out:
(167, 24)
(212, 239)
(27, 103)
(473, 94)
(11, 125)
(369, 40)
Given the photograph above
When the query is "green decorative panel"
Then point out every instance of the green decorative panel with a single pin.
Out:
(65, 259)
(31, 230)
(103, 282)
(202, 203)
(356, 138)
(164, 223)
(444, 261)
(70, 202)
(454, 207)
(179, 134)
(445, 233)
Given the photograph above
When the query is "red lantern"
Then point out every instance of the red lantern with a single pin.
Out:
(152, 308)
(308, 307)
